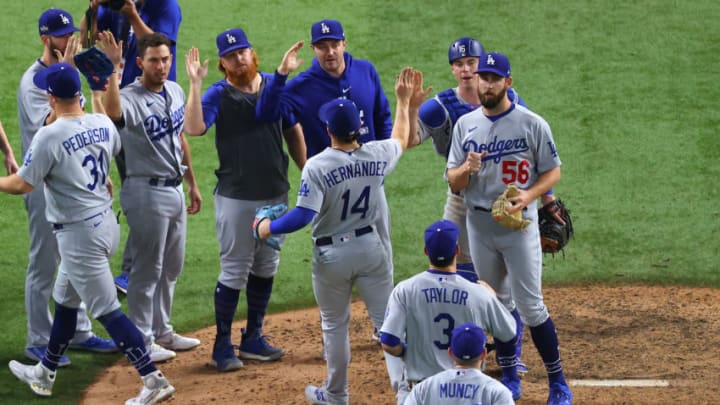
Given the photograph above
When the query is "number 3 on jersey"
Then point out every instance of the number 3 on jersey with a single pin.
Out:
(515, 172)
(360, 206)
(94, 164)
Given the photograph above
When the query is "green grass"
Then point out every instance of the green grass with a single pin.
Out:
(629, 89)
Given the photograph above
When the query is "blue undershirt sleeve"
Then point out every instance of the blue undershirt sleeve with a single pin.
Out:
(295, 219)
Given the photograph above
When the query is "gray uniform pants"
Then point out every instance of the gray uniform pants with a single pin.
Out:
(43, 261)
(84, 273)
(157, 219)
(511, 262)
(456, 212)
(358, 261)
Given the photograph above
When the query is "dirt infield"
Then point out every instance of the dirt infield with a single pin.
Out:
(606, 333)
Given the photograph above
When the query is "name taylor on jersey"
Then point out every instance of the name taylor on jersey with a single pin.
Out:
(440, 295)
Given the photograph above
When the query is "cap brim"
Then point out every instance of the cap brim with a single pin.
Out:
(232, 48)
(63, 31)
(40, 78)
(334, 37)
(495, 71)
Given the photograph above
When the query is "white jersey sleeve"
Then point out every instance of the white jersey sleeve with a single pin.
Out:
(32, 105)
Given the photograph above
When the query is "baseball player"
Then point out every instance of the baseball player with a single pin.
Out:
(465, 383)
(499, 144)
(150, 114)
(56, 29)
(334, 73)
(134, 19)
(72, 157)
(438, 115)
(9, 157)
(253, 173)
(341, 188)
(425, 308)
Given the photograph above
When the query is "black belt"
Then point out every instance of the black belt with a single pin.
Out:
(154, 181)
(327, 240)
(483, 209)
(61, 226)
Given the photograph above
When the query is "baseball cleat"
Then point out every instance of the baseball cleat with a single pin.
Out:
(513, 385)
(38, 377)
(156, 388)
(121, 283)
(316, 395)
(522, 368)
(173, 341)
(159, 354)
(38, 352)
(95, 344)
(560, 394)
(224, 358)
(256, 347)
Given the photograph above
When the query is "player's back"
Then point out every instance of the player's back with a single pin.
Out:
(351, 184)
(436, 303)
(461, 386)
(75, 153)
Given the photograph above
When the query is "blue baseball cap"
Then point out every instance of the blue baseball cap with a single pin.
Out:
(230, 40)
(441, 239)
(341, 116)
(327, 29)
(463, 48)
(60, 79)
(467, 341)
(494, 62)
(56, 23)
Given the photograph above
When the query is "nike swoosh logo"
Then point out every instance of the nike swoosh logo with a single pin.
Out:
(346, 90)
(149, 103)
(472, 129)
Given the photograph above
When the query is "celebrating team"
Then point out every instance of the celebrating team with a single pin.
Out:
(336, 122)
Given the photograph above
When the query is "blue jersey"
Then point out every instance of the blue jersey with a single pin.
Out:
(161, 16)
(312, 88)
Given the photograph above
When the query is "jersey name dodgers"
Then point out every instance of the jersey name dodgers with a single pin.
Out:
(440, 295)
(158, 127)
(356, 169)
(85, 138)
(458, 390)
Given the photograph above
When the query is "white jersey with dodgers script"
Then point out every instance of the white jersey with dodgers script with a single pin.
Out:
(520, 147)
(427, 307)
(460, 386)
(346, 188)
(74, 155)
(149, 118)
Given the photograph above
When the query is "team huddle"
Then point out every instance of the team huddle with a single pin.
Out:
(483, 278)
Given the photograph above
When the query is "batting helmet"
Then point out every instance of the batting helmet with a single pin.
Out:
(465, 47)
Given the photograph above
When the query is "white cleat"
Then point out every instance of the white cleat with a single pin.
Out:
(173, 341)
(156, 388)
(159, 354)
(38, 377)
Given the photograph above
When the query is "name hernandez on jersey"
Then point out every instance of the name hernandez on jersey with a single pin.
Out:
(357, 169)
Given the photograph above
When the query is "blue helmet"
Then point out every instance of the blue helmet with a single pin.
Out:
(465, 47)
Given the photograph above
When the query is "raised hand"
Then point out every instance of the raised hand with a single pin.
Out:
(74, 46)
(419, 95)
(195, 70)
(290, 62)
(106, 42)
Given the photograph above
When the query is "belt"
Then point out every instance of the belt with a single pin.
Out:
(327, 240)
(154, 181)
(61, 226)
(483, 209)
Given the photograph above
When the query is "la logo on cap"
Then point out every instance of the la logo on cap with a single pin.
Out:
(64, 19)
(230, 38)
(325, 29)
(490, 61)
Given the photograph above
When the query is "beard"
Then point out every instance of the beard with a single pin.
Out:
(490, 101)
(244, 77)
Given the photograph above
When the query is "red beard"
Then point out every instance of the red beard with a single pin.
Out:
(244, 77)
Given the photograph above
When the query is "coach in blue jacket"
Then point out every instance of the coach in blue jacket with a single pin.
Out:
(334, 74)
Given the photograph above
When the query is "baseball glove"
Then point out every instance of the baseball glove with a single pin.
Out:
(554, 236)
(268, 212)
(499, 210)
(95, 66)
